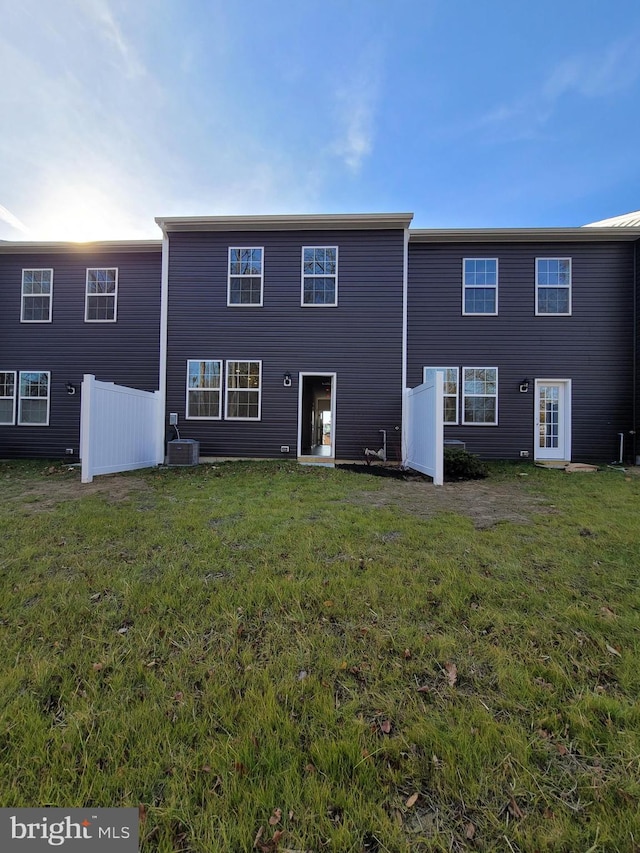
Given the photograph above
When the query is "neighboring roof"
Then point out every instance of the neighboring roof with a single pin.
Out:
(627, 220)
(24, 247)
(519, 235)
(278, 222)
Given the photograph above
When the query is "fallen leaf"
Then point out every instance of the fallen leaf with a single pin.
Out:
(259, 835)
(385, 727)
(561, 748)
(514, 809)
(613, 651)
(151, 663)
(424, 689)
(142, 812)
(607, 612)
(97, 667)
(547, 814)
(206, 768)
(469, 831)
(413, 799)
(328, 603)
(178, 697)
(452, 673)
(407, 654)
(275, 817)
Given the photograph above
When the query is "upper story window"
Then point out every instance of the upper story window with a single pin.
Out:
(480, 395)
(37, 295)
(244, 388)
(320, 275)
(101, 295)
(7, 397)
(33, 401)
(245, 276)
(480, 286)
(204, 388)
(553, 286)
(450, 392)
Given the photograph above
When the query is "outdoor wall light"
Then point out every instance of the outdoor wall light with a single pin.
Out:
(287, 380)
(524, 386)
(71, 389)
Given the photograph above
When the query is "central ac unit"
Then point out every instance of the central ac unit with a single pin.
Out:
(183, 451)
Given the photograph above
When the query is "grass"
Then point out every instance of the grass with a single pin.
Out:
(245, 650)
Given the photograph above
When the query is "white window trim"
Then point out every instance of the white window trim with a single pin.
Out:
(457, 394)
(217, 417)
(463, 396)
(568, 287)
(24, 296)
(466, 287)
(231, 304)
(304, 304)
(14, 398)
(101, 295)
(227, 416)
(48, 398)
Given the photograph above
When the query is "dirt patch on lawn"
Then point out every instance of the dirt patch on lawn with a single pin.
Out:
(485, 502)
(59, 484)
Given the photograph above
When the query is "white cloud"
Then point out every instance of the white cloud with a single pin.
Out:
(12, 221)
(616, 69)
(356, 110)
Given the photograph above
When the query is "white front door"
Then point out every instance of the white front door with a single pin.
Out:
(552, 438)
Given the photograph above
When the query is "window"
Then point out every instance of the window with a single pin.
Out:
(37, 292)
(204, 388)
(450, 392)
(245, 277)
(553, 285)
(480, 286)
(480, 395)
(243, 390)
(102, 292)
(7, 397)
(33, 402)
(319, 275)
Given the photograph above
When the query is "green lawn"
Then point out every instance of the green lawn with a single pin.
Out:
(253, 650)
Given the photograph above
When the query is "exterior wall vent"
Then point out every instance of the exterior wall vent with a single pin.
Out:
(183, 451)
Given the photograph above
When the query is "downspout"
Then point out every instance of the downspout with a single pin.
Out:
(162, 367)
(636, 355)
(405, 318)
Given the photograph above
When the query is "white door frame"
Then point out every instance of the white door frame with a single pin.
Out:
(563, 451)
(334, 377)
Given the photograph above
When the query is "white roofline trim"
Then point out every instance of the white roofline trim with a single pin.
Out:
(518, 235)
(23, 247)
(277, 222)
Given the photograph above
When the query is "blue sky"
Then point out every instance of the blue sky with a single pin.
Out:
(471, 113)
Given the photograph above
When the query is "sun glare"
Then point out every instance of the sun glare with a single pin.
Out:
(81, 214)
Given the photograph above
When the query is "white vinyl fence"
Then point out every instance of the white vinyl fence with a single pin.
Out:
(120, 428)
(424, 430)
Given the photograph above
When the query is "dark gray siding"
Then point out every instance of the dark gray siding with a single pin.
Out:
(125, 352)
(360, 339)
(593, 347)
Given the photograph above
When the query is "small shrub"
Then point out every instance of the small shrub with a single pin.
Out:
(462, 465)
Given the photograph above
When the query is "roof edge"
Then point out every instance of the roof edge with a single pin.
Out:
(277, 222)
(515, 235)
(57, 247)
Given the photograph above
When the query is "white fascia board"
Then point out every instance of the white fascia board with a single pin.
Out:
(520, 235)
(57, 248)
(301, 222)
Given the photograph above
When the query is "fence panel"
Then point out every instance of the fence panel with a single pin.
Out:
(119, 428)
(424, 410)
